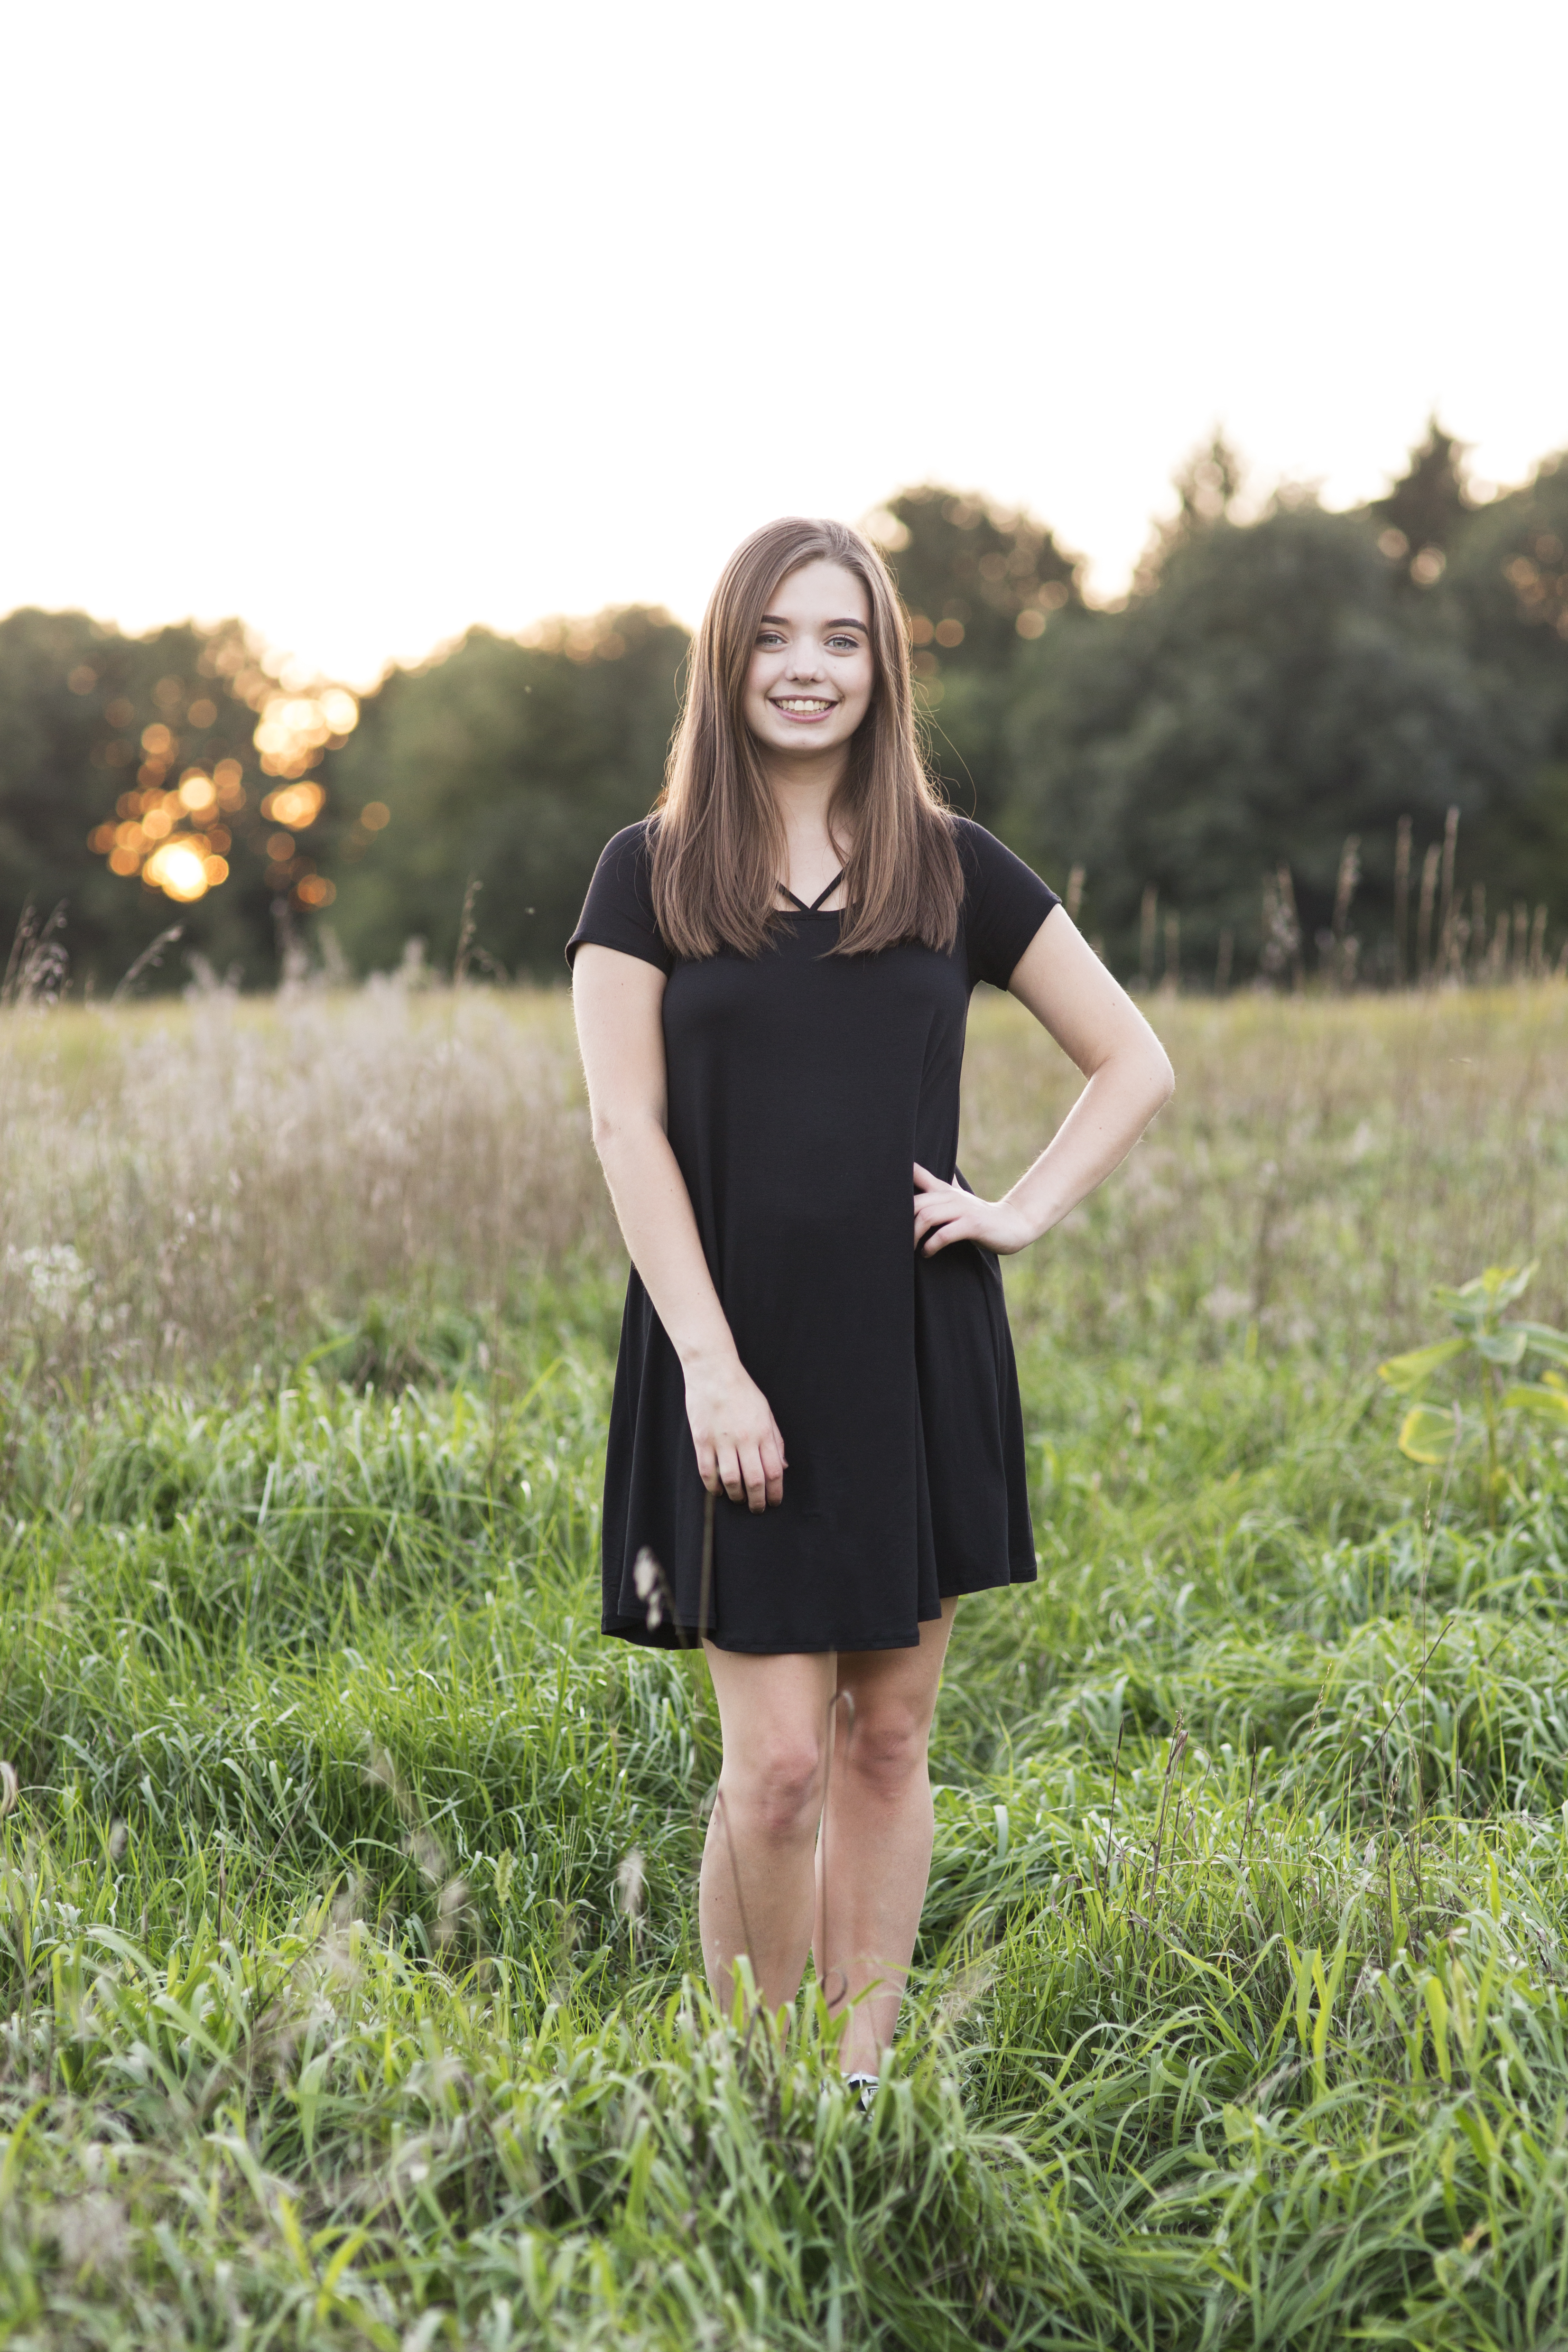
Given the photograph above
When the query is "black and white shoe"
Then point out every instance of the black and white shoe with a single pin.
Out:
(866, 2085)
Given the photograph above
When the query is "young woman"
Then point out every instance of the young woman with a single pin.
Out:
(771, 978)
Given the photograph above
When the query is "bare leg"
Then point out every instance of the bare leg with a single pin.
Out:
(875, 1856)
(758, 1890)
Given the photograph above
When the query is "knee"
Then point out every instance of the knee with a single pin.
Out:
(779, 1782)
(886, 1750)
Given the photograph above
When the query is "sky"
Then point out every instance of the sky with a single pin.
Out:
(371, 321)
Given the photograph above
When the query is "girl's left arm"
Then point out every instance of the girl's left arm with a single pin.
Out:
(1097, 1025)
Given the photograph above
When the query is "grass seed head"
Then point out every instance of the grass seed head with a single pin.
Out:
(90, 2233)
(10, 1788)
(426, 1851)
(451, 1909)
(632, 1884)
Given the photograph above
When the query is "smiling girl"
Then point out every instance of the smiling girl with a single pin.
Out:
(771, 979)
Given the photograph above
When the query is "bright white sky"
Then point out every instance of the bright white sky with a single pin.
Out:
(368, 322)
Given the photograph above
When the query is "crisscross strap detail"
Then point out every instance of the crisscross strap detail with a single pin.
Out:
(816, 901)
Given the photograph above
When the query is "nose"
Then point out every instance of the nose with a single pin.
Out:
(804, 663)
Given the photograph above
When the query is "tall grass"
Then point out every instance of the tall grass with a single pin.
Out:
(333, 2007)
(223, 1182)
(220, 1183)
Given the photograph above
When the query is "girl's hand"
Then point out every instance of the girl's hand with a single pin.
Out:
(946, 1212)
(737, 1438)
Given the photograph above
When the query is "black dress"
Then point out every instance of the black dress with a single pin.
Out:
(801, 1088)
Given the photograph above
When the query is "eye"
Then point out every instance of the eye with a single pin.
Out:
(770, 637)
(845, 645)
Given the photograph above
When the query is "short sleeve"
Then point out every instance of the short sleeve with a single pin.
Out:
(1005, 903)
(618, 911)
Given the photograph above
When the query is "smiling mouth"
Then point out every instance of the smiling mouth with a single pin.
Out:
(802, 706)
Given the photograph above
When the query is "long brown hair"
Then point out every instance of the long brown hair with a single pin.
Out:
(719, 847)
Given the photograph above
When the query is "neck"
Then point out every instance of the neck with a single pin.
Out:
(803, 790)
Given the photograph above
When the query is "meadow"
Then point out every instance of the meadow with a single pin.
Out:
(346, 1877)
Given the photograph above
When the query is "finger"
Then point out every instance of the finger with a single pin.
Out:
(930, 1215)
(708, 1468)
(923, 1176)
(734, 1485)
(772, 1455)
(756, 1478)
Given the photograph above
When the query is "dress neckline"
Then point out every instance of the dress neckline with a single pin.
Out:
(816, 907)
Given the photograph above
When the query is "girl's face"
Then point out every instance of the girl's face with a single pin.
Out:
(813, 672)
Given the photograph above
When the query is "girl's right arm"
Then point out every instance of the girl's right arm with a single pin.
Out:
(619, 1001)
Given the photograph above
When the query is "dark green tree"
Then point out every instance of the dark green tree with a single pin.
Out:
(979, 580)
(1427, 507)
(99, 733)
(1506, 589)
(1272, 690)
(505, 761)
(1208, 486)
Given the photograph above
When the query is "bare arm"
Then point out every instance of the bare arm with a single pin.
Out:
(618, 1001)
(1097, 1025)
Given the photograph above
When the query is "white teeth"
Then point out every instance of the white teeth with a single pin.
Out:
(802, 704)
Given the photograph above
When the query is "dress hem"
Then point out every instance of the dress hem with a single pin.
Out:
(671, 1635)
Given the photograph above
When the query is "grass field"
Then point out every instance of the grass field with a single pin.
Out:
(346, 1902)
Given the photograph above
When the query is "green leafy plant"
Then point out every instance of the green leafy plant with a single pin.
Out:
(1490, 1348)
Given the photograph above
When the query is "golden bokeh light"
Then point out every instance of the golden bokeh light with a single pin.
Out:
(179, 869)
(298, 805)
(294, 729)
(177, 837)
(375, 815)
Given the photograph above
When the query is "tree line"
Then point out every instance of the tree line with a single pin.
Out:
(1305, 741)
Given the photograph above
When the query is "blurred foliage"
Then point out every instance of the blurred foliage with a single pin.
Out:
(1241, 745)
(506, 763)
(1273, 688)
(1272, 693)
(76, 700)
(979, 580)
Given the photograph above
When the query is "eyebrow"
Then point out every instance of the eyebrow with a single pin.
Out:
(773, 620)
